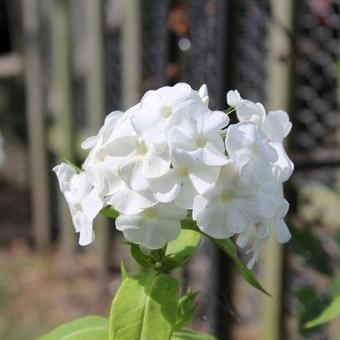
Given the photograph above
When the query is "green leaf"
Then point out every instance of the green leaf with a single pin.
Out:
(229, 248)
(180, 250)
(311, 304)
(330, 313)
(123, 272)
(86, 328)
(144, 307)
(110, 212)
(143, 259)
(175, 255)
(186, 309)
(188, 334)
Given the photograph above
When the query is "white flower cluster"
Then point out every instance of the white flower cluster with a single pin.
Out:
(169, 154)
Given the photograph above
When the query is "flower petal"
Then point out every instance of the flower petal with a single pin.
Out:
(91, 205)
(212, 221)
(155, 165)
(130, 202)
(131, 173)
(64, 174)
(283, 234)
(277, 125)
(186, 194)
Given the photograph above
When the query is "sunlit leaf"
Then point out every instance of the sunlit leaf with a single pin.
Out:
(186, 309)
(144, 308)
(311, 304)
(87, 328)
(228, 247)
(330, 313)
(110, 212)
(180, 250)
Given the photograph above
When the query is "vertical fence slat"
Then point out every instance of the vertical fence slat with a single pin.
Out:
(36, 126)
(97, 104)
(131, 52)
(335, 324)
(278, 97)
(62, 106)
(131, 58)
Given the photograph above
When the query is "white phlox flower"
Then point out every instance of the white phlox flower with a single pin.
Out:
(200, 136)
(257, 234)
(116, 193)
(105, 174)
(249, 148)
(261, 169)
(278, 223)
(153, 227)
(142, 161)
(82, 198)
(272, 210)
(127, 201)
(107, 151)
(246, 110)
(227, 207)
(276, 126)
(270, 197)
(184, 181)
(254, 237)
(162, 109)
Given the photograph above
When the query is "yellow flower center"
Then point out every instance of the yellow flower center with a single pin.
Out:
(254, 149)
(142, 149)
(150, 213)
(100, 156)
(183, 171)
(201, 142)
(166, 111)
(227, 196)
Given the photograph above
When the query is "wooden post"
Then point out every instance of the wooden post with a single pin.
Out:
(36, 126)
(96, 86)
(62, 134)
(131, 53)
(278, 98)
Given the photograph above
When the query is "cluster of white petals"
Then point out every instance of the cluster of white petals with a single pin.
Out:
(169, 154)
